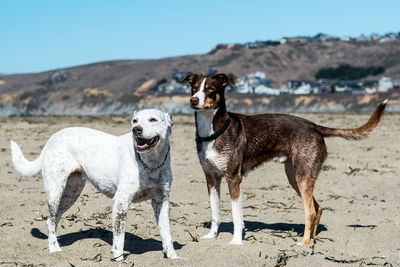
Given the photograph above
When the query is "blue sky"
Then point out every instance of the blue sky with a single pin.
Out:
(42, 35)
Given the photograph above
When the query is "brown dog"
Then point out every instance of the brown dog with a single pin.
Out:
(230, 145)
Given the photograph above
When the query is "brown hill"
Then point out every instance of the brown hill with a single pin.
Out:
(99, 86)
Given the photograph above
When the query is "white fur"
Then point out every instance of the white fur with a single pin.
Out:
(110, 163)
(238, 224)
(23, 166)
(201, 94)
(215, 212)
(209, 157)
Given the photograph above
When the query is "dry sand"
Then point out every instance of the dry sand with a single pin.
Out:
(359, 189)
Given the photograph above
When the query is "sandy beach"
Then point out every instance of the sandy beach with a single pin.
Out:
(359, 189)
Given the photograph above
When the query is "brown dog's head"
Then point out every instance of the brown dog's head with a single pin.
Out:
(208, 91)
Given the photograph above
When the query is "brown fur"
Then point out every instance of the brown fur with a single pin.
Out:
(249, 141)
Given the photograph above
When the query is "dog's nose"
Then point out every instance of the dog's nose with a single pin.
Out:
(137, 130)
(194, 101)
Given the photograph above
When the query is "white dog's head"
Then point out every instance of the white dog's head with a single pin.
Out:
(151, 128)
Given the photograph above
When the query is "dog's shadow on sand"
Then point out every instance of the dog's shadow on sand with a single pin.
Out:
(254, 226)
(133, 243)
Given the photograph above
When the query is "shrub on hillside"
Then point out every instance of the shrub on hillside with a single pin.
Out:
(348, 72)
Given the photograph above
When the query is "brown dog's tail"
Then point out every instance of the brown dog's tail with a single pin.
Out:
(356, 133)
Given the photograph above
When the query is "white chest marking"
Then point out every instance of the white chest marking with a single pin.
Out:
(209, 156)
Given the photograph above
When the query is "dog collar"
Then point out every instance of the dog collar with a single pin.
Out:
(216, 134)
(159, 166)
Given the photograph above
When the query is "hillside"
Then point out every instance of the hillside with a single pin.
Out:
(119, 86)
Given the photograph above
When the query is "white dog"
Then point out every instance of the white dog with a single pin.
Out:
(129, 168)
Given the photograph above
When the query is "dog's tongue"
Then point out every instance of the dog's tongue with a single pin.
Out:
(145, 143)
(141, 141)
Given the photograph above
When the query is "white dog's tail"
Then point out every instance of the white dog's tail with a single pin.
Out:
(21, 164)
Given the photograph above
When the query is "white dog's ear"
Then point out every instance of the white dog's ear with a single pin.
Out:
(168, 119)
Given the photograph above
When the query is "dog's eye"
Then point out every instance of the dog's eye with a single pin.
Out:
(134, 121)
(153, 120)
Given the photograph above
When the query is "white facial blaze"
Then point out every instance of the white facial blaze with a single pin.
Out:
(200, 94)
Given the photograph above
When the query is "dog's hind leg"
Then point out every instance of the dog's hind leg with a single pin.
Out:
(291, 176)
(213, 186)
(235, 191)
(306, 192)
(75, 184)
(292, 180)
(56, 175)
(318, 211)
(306, 164)
(54, 195)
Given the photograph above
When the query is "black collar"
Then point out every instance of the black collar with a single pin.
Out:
(216, 134)
(151, 168)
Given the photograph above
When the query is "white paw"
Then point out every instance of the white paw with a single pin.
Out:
(210, 235)
(118, 256)
(236, 241)
(173, 256)
(176, 257)
(302, 243)
(55, 248)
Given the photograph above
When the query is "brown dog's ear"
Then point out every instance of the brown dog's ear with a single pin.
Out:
(224, 79)
(191, 78)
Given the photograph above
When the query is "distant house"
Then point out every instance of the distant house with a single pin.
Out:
(298, 87)
(363, 38)
(348, 86)
(173, 87)
(244, 89)
(385, 84)
(294, 84)
(299, 40)
(370, 86)
(304, 89)
(322, 86)
(388, 37)
(322, 37)
(255, 45)
(375, 37)
(225, 46)
(256, 75)
(396, 84)
(264, 90)
(283, 40)
(247, 84)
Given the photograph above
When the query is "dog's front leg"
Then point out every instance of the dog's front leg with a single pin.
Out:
(213, 186)
(161, 211)
(119, 214)
(237, 212)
